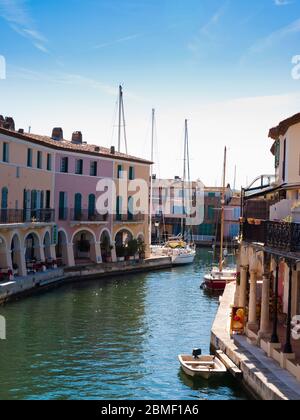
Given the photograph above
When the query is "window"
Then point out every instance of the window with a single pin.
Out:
(94, 169)
(131, 173)
(64, 165)
(119, 207)
(79, 167)
(78, 206)
(29, 158)
(5, 154)
(92, 205)
(120, 170)
(49, 162)
(130, 208)
(48, 199)
(39, 160)
(4, 198)
(63, 205)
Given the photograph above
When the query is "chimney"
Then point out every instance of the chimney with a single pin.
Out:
(77, 137)
(9, 124)
(21, 131)
(57, 134)
(113, 150)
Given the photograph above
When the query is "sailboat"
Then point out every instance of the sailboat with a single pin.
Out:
(181, 252)
(218, 278)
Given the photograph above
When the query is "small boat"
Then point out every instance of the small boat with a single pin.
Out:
(217, 280)
(178, 250)
(202, 366)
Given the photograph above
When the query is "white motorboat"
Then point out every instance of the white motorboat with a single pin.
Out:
(179, 251)
(202, 366)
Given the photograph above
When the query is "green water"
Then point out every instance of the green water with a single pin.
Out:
(112, 339)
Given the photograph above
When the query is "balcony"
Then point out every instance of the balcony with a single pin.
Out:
(12, 216)
(128, 218)
(83, 216)
(280, 235)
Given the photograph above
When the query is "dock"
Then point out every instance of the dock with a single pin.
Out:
(260, 375)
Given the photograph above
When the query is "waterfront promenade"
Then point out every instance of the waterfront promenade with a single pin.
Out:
(262, 376)
(37, 282)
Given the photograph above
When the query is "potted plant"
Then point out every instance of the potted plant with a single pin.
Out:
(132, 248)
(106, 249)
(141, 249)
(121, 252)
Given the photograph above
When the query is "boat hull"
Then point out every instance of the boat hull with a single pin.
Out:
(183, 259)
(218, 281)
(205, 367)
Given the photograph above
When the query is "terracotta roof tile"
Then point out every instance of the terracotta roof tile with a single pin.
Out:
(68, 146)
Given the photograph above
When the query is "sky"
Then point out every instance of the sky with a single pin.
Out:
(228, 66)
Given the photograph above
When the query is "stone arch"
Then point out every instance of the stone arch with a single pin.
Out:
(123, 235)
(85, 247)
(32, 247)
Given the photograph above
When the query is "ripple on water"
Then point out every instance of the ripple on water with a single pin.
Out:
(115, 339)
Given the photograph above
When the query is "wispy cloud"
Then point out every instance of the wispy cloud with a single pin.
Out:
(282, 2)
(207, 30)
(117, 41)
(16, 14)
(71, 79)
(275, 37)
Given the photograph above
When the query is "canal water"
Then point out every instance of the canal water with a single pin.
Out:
(112, 339)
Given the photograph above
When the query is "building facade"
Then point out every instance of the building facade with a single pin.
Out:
(270, 252)
(49, 212)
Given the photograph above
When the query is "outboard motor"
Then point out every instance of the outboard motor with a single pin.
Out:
(197, 353)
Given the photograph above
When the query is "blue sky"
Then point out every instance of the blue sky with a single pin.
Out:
(223, 64)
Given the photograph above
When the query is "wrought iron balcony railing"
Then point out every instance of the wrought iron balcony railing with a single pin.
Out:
(13, 216)
(128, 218)
(87, 216)
(280, 235)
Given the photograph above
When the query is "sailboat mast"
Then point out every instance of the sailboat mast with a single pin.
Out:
(223, 212)
(151, 176)
(184, 176)
(120, 117)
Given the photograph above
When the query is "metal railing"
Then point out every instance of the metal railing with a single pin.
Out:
(12, 216)
(85, 215)
(128, 218)
(280, 235)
